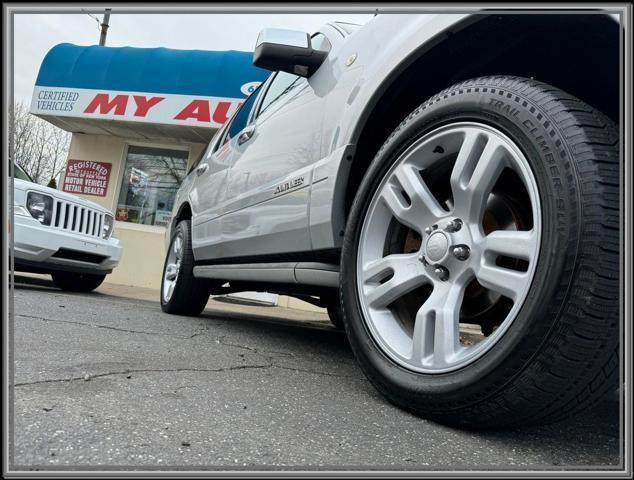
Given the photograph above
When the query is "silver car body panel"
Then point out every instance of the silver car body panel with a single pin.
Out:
(263, 197)
(381, 47)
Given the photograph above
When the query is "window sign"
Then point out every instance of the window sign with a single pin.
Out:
(150, 181)
(87, 177)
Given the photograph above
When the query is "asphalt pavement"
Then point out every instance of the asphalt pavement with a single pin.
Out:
(113, 382)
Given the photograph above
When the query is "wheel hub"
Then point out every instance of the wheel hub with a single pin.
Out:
(437, 246)
(412, 298)
(446, 249)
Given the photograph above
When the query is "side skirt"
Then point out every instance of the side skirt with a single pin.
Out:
(293, 273)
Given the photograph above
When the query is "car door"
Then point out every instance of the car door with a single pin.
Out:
(209, 194)
(268, 184)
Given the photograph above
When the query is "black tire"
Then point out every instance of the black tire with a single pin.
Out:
(560, 354)
(336, 316)
(77, 282)
(190, 294)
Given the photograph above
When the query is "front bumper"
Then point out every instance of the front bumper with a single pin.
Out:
(38, 247)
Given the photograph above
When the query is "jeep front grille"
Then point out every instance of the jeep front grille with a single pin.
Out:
(78, 219)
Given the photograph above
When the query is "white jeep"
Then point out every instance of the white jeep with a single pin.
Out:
(62, 234)
(447, 186)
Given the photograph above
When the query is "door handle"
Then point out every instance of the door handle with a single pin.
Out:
(200, 169)
(246, 133)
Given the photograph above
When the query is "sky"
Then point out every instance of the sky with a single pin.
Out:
(36, 34)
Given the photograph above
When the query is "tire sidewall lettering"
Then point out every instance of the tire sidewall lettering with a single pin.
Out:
(544, 150)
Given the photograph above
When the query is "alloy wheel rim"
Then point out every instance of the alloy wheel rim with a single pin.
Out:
(172, 268)
(456, 253)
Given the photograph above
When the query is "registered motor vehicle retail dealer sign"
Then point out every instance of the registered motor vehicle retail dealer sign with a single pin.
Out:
(87, 177)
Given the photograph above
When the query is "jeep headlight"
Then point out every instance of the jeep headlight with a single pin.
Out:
(108, 227)
(40, 207)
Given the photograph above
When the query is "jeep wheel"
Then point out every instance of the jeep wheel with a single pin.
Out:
(480, 267)
(77, 282)
(181, 292)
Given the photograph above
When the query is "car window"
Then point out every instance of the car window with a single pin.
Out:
(214, 143)
(21, 174)
(282, 84)
(239, 119)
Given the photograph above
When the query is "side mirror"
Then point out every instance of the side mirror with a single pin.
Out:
(288, 51)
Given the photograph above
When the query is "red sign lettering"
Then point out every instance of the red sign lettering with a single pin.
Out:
(103, 102)
(143, 104)
(198, 109)
(221, 114)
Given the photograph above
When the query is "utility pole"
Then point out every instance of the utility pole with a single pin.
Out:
(104, 27)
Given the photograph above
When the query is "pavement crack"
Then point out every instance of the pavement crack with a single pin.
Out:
(316, 372)
(271, 356)
(105, 327)
(148, 370)
(221, 341)
(177, 370)
(268, 354)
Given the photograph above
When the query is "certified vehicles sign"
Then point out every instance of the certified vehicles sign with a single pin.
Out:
(146, 107)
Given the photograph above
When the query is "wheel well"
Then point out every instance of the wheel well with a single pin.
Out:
(184, 213)
(576, 53)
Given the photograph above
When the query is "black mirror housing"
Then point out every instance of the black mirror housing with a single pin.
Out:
(287, 51)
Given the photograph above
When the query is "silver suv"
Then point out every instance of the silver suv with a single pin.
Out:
(447, 186)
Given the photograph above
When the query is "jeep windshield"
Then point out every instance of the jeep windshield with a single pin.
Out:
(21, 174)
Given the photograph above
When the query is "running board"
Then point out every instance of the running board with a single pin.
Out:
(301, 273)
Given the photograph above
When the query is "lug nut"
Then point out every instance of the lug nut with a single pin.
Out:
(442, 273)
(429, 230)
(461, 252)
(422, 259)
(453, 226)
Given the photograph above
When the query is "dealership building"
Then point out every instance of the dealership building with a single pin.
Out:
(140, 118)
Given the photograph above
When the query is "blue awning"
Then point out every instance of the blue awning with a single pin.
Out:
(147, 93)
(152, 70)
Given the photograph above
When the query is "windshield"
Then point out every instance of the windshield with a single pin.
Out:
(21, 174)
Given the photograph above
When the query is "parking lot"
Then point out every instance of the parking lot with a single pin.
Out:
(108, 381)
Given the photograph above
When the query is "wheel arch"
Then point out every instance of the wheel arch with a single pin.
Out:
(184, 212)
(544, 47)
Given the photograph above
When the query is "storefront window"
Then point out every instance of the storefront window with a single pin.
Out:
(150, 181)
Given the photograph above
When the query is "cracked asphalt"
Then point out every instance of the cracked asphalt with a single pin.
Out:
(113, 382)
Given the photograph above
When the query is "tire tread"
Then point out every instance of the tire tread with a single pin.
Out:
(578, 361)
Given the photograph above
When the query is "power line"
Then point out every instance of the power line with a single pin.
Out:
(94, 18)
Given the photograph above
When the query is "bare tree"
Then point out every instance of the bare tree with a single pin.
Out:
(59, 143)
(40, 148)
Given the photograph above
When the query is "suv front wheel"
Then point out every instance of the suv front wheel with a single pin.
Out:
(480, 265)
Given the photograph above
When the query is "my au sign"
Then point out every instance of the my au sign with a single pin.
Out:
(167, 109)
(87, 177)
